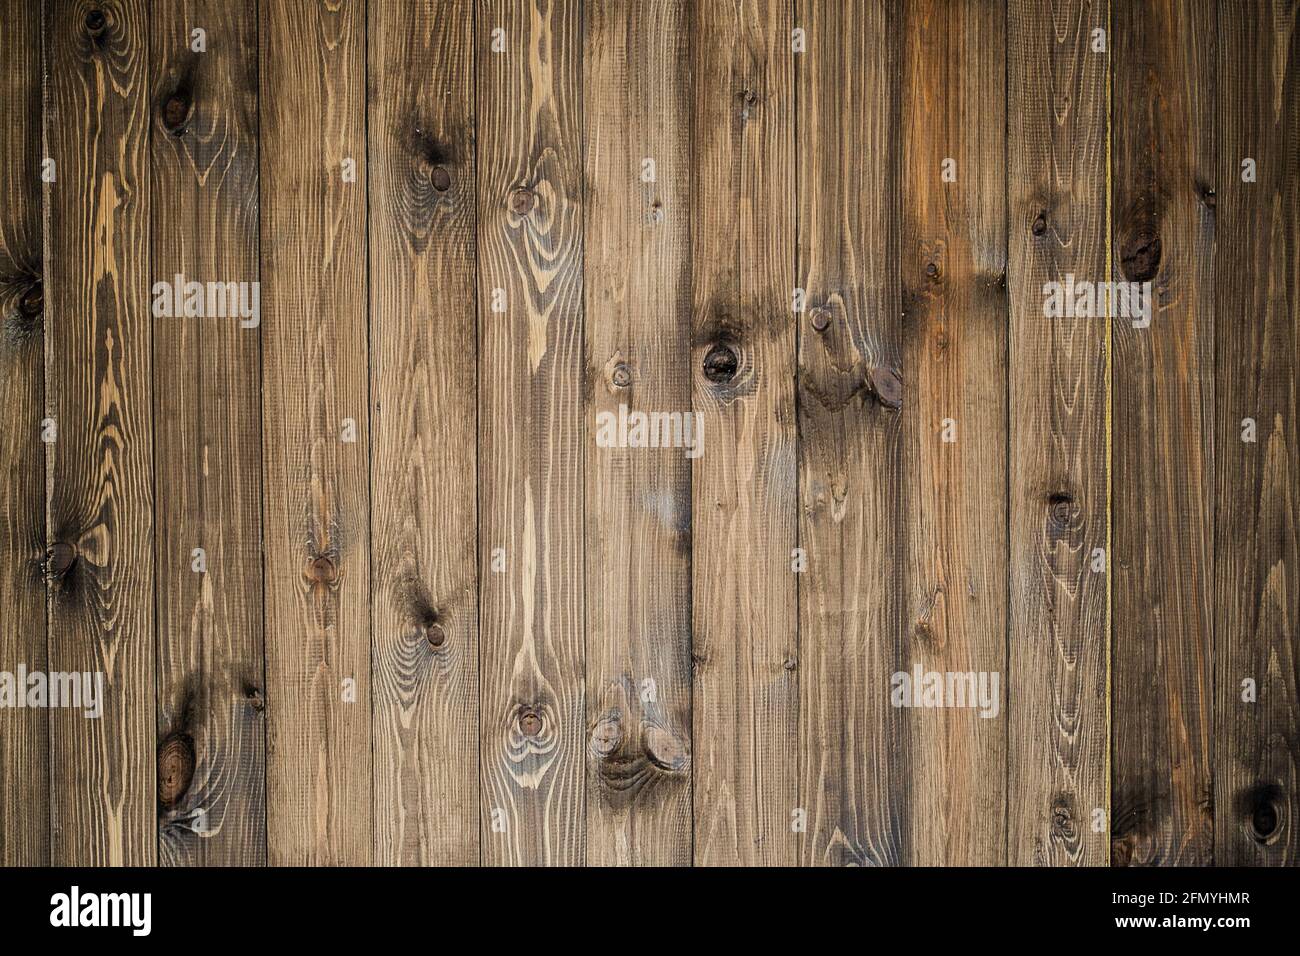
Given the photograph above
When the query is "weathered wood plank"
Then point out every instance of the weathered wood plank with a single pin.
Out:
(423, 419)
(953, 458)
(1257, 288)
(24, 734)
(745, 493)
(315, 432)
(99, 392)
(852, 763)
(531, 431)
(208, 443)
(638, 499)
(1057, 228)
(1163, 233)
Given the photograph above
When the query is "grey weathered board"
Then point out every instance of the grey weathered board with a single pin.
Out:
(363, 578)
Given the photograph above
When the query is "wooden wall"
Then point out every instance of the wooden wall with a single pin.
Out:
(366, 586)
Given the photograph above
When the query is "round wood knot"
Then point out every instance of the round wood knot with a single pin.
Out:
(790, 663)
(820, 318)
(60, 558)
(606, 736)
(1063, 818)
(664, 749)
(530, 723)
(175, 112)
(622, 375)
(1140, 254)
(1060, 510)
(435, 634)
(33, 301)
(522, 201)
(175, 769)
(886, 386)
(1039, 227)
(95, 20)
(1264, 821)
(322, 571)
(720, 364)
(440, 177)
(255, 699)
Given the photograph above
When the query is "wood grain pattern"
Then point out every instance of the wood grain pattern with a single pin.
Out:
(745, 490)
(851, 757)
(953, 464)
(1057, 138)
(315, 433)
(423, 419)
(1257, 599)
(638, 500)
(1162, 574)
(99, 392)
(532, 427)
(366, 582)
(24, 734)
(207, 371)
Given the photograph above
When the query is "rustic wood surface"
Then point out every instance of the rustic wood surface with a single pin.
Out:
(362, 575)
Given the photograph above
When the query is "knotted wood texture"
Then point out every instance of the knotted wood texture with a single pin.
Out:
(660, 432)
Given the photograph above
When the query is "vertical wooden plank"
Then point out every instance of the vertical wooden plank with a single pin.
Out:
(531, 429)
(423, 419)
(852, 769)
(638, 499)
(315, 432)
(745, 493)
(207, 369)
(1257, 287)
(98, 388)
(24, 734)
(1163, 233)
(1057, 227)
(954, 465)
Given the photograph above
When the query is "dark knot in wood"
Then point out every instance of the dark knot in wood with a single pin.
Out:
(1140, 254)
(60, 558)
(33, 301)
(1264, 819)
(886, 386)
(530, 723)
(606, 736)
(720, 364)
(175, 769)
(664, 750)
(522, 201)
(175, 112)
(322, 571)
